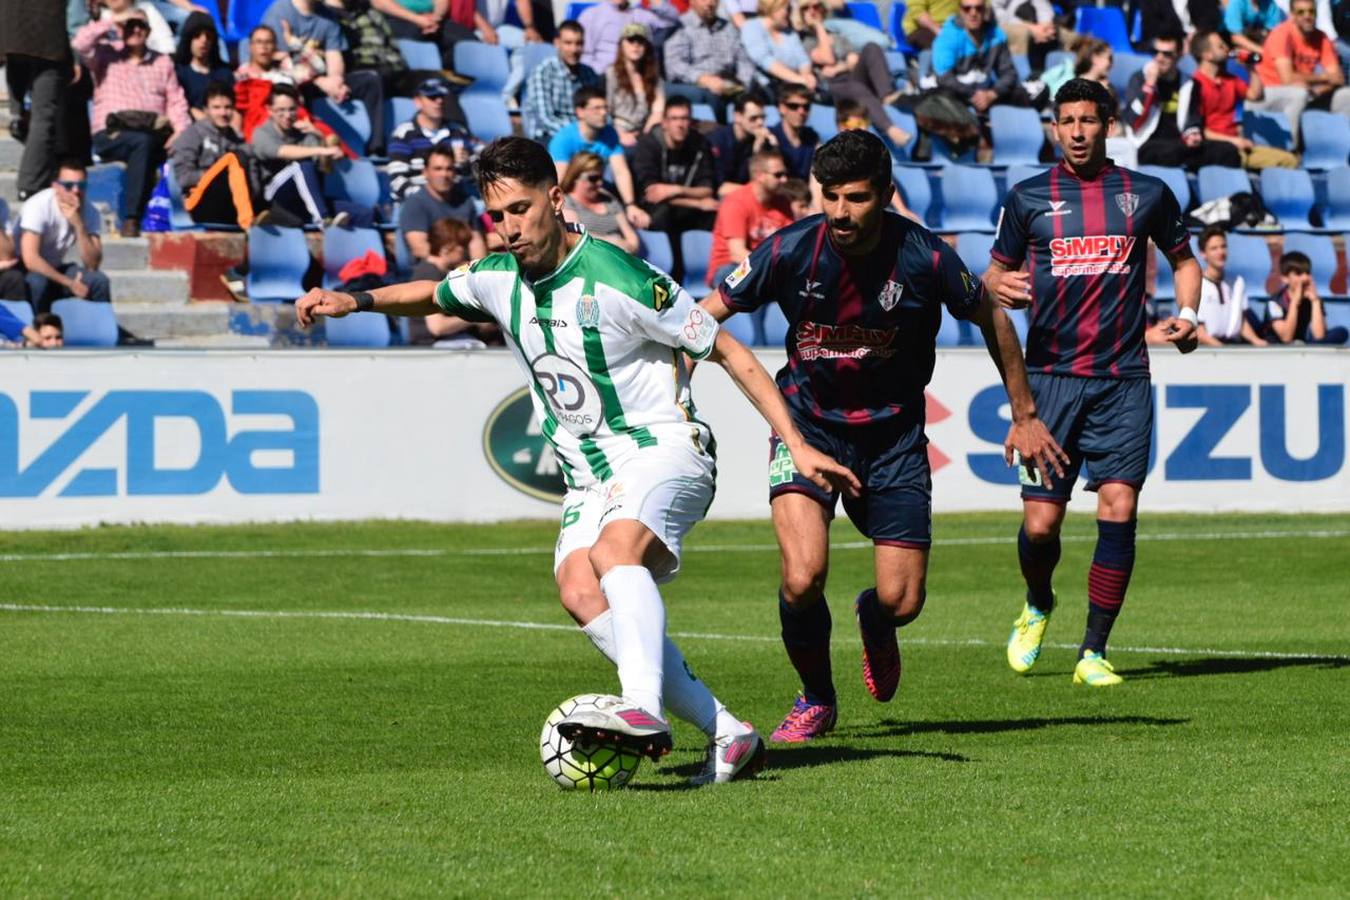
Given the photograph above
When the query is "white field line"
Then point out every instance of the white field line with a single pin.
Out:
(552, 626)
(320, 552)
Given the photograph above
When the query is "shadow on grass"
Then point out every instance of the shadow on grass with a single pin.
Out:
(894, 728)
(1229, 665)
(807, 756)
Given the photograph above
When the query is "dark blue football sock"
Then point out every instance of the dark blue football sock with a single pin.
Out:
(1038, 561)
(806, 636)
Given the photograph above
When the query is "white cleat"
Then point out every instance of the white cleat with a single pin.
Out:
(732, 757)
(614, 720)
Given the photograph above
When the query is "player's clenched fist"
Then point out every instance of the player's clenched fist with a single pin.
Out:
(319, 302)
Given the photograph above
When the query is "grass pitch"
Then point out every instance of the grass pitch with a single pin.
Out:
(371, 730)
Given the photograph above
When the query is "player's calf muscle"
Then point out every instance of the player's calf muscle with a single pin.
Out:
(579, 590)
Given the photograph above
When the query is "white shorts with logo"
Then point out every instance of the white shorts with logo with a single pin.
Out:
(668, 488)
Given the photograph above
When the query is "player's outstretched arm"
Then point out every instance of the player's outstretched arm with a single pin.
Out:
(411, 299)
(1010, 288)
(1182, 329)
(1028, 434)
(715, 306)
(750, 376)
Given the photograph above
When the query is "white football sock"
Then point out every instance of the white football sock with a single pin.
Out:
(639, 622)
(685, 696)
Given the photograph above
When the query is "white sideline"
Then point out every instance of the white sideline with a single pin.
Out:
(552, 626)
(319, 552)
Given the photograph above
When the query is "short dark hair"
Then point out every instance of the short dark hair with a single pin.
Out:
(1212, 231)
(71, 162)
(1171, 36)
(445, 233)
(845, 109)
(518, 159)
(853, 156)
(677, 100)
(1079, 90)
(1295, 261)
(283, 90)
(442, 149)
(585, 94)
(788, 91)
(1200, 43)
(219, 89)
(49, 318)
(571, 25)
(763, 156)
(754, 95)
(796, 190)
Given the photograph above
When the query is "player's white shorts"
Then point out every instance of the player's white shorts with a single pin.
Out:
(668, 488)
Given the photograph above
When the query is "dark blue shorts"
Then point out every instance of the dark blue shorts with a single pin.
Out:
(1106, 421)
(891, 461)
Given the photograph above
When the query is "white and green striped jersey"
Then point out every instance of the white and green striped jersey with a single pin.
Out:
(602, 339)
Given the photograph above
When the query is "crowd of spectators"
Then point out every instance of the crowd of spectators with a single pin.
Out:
(615, 102)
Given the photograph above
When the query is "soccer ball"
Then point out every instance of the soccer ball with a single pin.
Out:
(586, 767)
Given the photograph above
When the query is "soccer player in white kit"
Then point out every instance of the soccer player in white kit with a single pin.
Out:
(602, 337)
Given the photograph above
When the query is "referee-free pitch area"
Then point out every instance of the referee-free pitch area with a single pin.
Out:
(353, 710)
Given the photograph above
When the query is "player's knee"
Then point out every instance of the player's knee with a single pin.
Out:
(904, 600)
(582, 599)
(1040, 529)
(802, 585)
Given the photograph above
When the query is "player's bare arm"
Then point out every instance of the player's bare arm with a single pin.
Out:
(1028, 434)
(1181, 329)
(412, 299)
(715, 306)
(1010, 287)
(759, 388)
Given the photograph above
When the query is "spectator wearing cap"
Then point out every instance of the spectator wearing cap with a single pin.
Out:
(1300, 68)
(673, 168)
(443, 196)
(603, 24)
(591, 131)
(705, 61)
(139, 106)
(412, 141)
(553, 83)
(633, 85)
(53, 222)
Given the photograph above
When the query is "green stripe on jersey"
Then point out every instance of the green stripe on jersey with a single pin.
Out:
(599, 370)
(543, 314)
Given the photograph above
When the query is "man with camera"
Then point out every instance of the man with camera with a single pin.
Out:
(1160, 115)
(1214, 97)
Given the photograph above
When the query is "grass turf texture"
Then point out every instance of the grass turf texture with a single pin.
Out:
(178, 754)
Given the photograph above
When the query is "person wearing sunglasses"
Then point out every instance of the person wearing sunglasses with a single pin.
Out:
(796, 140)
(1159, 117)
(734, 143)
(1300, 69)
(749, 214)
(971, 60)
(53, 222)
(589, 204)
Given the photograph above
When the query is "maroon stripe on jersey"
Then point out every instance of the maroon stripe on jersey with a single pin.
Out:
(1090, 305)
(1122, 283)
(849, 381)
(1061, 284)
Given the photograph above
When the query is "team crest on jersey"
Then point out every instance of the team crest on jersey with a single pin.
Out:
(891, 294)
(1128, 203)
(739, 273)
(588, 311)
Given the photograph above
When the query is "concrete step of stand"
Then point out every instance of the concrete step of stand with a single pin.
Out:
(9, 190)
(227, 341)
(161, 321)
(11, 151)
(164, 288)
(121, 253)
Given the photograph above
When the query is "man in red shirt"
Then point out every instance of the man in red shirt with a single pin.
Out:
(1300, 68)
(749, 214)
(1213, 97)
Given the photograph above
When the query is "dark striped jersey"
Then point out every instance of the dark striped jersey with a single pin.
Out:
(1086, 245)
(861, 330)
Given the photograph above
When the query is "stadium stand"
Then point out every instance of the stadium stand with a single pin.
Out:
(354, 181)
(1337, 209)
(915, 189)
(419, 55)
(969, 199)
(1268, 128)
(277, 261)
(866, 13)
(349, 120)
(1288, 194)
(656, 249)
(1105, 22)
(488, 118)
(342, 245)
(1220, 181)
(695, 247)
(774, 326)
(1249, 256)
(363, 329)
(20, 309)
(87, 324)
(1321, 251)
(486, 64)
(1176, 180)
(894, 21)
(1017, 135)
(1326, 140)
(745, 328)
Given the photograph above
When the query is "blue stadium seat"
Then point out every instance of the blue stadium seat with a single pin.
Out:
(1022, 65)
(775, 326)
(895, 61)
(1322, 253)
(4, 214)
(973, 248)
(403, 261)
(744, 327)
(487, 64)
(419, 54)
(1268, 129)
(363, 329)
(1176, 179)
(342, 245)
(1021, 320)
(397, 110)
(1107, 23)
(243, 17)
(1326, 140)
(534, 54)
(695, 248)
(1019, 173)
(85, 323)
(1222, 181)
(821, 118)
(1055, 57)
(905, 121)
(953, 332)
(866, 13)
(656, 249)
(1017, 135)
(577, 7)
(487, 115)
(969, 199)
(348, 120)
(1123, 68)
(19, 309)
(277, 261)
(702, 112)
(1165, 288)
(107, 183)
(1249, 256)
(1337, 214)
(895, 19)
(355, 181)
(914, 187)
(1337, 313)
(1288, 193)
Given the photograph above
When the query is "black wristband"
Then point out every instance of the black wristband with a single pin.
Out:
(365, 301)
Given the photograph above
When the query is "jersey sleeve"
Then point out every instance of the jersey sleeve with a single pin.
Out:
(1169, 229)
(953, 283)
(1010, 236)
(752, 284)
(674, 318)
(455, 296)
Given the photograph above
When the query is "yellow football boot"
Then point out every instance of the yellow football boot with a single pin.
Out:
(1094, 671)
(1024, 644)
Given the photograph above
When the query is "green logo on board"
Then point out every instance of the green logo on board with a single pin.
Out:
(515, 447)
